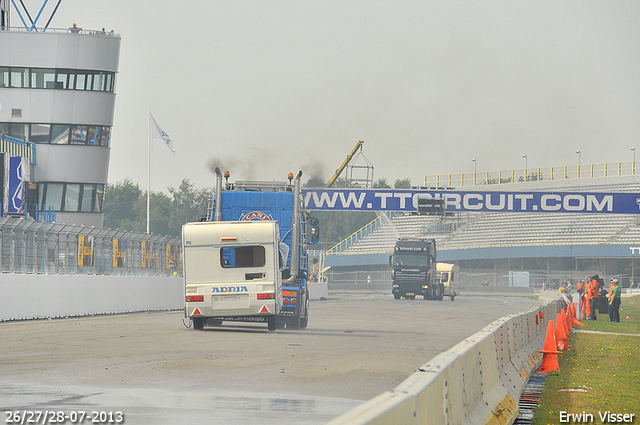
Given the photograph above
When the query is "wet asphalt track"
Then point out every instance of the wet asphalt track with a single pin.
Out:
(155, 371)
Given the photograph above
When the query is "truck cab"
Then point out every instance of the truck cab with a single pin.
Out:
(413, 273)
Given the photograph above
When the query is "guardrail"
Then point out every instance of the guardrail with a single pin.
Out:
(561, 172)
(477, 381)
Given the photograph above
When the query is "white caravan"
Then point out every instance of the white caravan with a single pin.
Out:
(449, 275)
(232, 271)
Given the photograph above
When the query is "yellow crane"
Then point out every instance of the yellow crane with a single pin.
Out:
(339, 171)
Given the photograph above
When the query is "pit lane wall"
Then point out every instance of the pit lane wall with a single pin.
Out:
(31, 296)
(478, 381)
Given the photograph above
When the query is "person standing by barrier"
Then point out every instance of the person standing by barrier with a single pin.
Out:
(580, 290)
(585, 298)
(610, 296)
(616, 293)
(592, 288)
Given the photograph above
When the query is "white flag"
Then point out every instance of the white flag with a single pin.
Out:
(157, 132)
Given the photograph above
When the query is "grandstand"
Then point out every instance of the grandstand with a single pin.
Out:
(495, 243)
(502, 229)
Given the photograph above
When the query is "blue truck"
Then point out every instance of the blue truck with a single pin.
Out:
(247, 260)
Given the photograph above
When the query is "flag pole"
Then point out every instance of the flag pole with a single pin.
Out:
(149, 170)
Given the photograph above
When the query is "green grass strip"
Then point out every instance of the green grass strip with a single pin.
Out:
(603, 370)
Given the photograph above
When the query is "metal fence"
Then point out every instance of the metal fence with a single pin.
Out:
(28, 246)
(560, 172)
(468, 279)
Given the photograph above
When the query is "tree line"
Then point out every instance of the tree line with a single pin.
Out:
(125, 208)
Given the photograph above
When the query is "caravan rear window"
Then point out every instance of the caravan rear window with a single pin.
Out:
(242, 256)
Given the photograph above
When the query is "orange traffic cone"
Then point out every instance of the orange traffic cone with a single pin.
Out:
(550, 357)
(566, 320)
(561, 333)
(570, 318)
(574, 320)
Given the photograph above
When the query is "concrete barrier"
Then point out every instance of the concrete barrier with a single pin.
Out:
(318, 291)
(478, 381)
(28, 296)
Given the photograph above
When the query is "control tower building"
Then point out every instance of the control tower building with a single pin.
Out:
(57, 99)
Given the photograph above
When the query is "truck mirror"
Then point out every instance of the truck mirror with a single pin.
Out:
(315, 229)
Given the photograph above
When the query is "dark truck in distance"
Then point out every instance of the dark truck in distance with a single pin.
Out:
(413, 264)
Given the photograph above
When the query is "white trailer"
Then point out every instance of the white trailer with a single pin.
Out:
(232, 272)
(449, 275)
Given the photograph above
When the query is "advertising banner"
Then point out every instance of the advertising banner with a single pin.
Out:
(18, 176)
(85, 250)
(406, 200)
(119, 253)
(173, 251)
(147, 255)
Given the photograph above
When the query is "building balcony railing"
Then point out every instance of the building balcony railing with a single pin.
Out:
(17, 147)
(61, 30)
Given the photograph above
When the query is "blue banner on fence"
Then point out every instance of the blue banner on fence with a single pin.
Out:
(18, 175)
(472, 201)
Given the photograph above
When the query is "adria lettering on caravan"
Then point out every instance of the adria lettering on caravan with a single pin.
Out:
(407, 201)
(223, 289)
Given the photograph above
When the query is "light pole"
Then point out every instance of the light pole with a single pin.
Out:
(633, 164)
(578, 152)
(525, 166)
(475, 170)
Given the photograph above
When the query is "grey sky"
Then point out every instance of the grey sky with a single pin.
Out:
(267, 87)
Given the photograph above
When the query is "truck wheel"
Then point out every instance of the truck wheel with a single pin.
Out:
(198, 323)
(453, 297)
(397, 296)
(304, 321)
(271, 323)
(440, 293)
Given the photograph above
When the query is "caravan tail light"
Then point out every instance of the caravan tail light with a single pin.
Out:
(195, 298)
